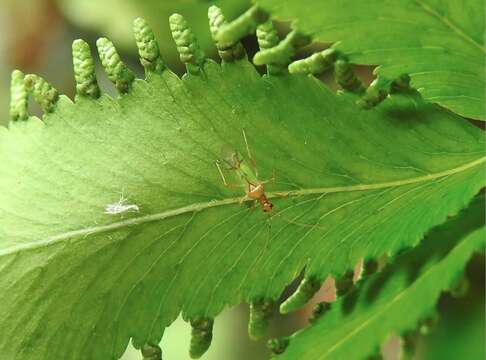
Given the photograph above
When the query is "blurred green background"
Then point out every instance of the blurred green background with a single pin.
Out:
(36, 37)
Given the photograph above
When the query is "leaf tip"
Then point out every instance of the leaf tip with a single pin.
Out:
(151, 352)
(345, 283)
(305, 291)
(114, 67)
(43, 92)
(279, 56)
(261, 311)
(84, 70)
(345, 76)
(267, 38)
(189, 51)
(319, 310)
(242, 26)
(315, 64)
(375, 93)
(201, 336)
(148, 48)
(278, 345)
(227, 52)
(18, 96)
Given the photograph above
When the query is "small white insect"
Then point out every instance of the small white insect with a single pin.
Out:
(121, 207)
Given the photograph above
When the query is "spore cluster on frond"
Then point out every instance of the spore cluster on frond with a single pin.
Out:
(277, 56)
(275, 53)
(122, 77)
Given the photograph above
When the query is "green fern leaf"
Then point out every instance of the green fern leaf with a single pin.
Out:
(440, 44)
(460, 322)
(395, 300)
(114, 218)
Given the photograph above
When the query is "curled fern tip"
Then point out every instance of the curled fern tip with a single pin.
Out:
(189, 51)
(306, 290)
(18, 97)
(201, 336)
(43, 92)
(242, 26)
(84, 70)
(115, 69)
(148, 48)
(260, 313)
(227, 52)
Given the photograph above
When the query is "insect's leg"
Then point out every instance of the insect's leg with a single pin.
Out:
(223, 178)
(272, 179)
(246, 144)
(298, 223)
(243, 199)
(250, 157)
(246, 197)
(122, 197)
(221, 173)
(227, 165)
(269, 238)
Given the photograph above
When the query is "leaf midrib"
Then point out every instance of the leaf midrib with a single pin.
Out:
(444, 20)
(396, 298)
(32, 245)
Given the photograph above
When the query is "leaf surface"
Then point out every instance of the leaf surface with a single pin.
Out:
(394, 301)
(77, 282)
(439, 43)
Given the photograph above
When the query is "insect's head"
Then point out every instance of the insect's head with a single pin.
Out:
(267, 206)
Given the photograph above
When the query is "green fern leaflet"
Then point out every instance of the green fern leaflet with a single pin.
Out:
(114, 218)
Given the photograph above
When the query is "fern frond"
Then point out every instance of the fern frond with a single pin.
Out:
(397, 300)
(445, 62)
(78, 281)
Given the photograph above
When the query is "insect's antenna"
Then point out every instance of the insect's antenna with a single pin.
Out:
(269, 221)
(122, 196)
(250, 157)
(221, 173)
(246, 143)
(270, 228)
(296, 223)
(271, 180)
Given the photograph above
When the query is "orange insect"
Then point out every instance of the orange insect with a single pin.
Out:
(247, 173)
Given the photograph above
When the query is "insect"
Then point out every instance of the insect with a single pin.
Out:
(121, 207)
(247, 173)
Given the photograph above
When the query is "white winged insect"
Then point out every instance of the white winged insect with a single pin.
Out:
(121, 207)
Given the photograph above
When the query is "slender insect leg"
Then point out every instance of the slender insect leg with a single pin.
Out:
(272, 179)
(245, 199)
(246, 143)
(221, 173)
(225, 183)
(250, 157)
(269, 237)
